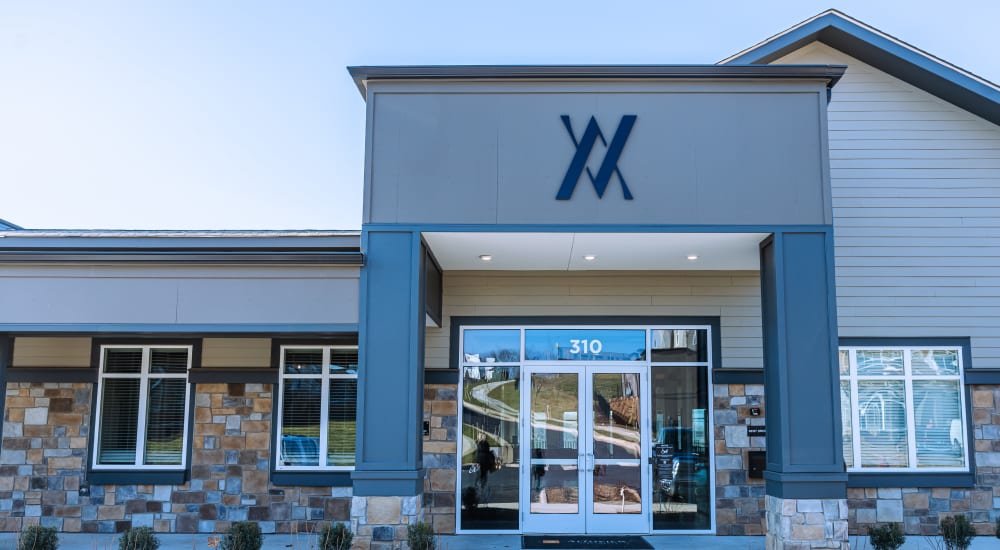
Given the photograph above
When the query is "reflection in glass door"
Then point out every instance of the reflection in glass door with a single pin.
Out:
(585, 470)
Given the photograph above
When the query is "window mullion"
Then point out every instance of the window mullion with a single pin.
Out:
(324, 410)
(855, 408)
(911, 428)
(140, 432)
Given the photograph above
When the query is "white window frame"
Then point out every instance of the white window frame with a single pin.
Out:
(907, 377)
(326, 377)
(143, 376)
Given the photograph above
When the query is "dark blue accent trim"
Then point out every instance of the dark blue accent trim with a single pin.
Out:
(916, 479)
(433, 285)
(890, 55)
(610, 320)
(137, 477)
(738, 376)
(378, 483)
(230, 375)
(440, 376)
(52, 374)
(311, 479)
(810, 487)
(982, 376)
(235, 329)
(6, 357)
(594, 228)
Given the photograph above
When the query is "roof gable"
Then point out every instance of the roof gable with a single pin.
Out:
(886, 53)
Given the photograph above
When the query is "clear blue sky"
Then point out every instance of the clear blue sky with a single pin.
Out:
(241, 115)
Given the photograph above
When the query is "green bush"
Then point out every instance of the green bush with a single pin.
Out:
(138, 538)
(335, 537)
(36, 537)
(420, 536)
(243, 535)
(956, 532)
(886, 536)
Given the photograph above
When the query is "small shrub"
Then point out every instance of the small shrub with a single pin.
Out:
(243, 535)
(335, 537)
(886, 536)
(36, 537)
(420, 536)
(956, 532)
(138, 538)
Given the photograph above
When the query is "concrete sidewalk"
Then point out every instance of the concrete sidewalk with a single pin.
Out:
(79, 541)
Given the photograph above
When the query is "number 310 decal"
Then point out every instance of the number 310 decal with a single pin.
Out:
(592, 347)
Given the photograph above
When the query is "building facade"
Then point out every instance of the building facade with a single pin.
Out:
(740, 299)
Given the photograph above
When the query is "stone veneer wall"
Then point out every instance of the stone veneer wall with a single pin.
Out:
(440, 456)
(43, 465)
(739, 500)
(803, 524)
(920, 509)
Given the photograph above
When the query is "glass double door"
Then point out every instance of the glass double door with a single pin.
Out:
(584, 445)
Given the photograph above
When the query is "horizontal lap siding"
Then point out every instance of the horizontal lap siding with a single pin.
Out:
(732, 296)
(916, 204)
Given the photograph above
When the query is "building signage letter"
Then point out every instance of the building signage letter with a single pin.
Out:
(609, 165)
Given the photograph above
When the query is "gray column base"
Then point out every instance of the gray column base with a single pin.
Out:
(805, 485)
(388, 482)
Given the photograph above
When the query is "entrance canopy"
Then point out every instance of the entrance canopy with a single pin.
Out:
(535, 251)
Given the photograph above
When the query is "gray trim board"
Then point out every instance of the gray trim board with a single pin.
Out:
(52, 374)
(361, 75)
(885, 53)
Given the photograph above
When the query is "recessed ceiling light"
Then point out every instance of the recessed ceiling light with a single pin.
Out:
(485, 257)
(692, 257)
(589, 257)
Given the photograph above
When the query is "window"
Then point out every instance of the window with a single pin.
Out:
(318, 397)
(142, 412)
(903, 409)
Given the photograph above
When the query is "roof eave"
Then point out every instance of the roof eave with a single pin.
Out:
(362, 75)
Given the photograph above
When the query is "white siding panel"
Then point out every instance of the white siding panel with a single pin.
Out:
(916, 198)
(51, 352)
(733, 296)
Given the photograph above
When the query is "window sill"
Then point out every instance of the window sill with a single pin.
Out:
(138, 477)
(906, 479)
(339, 478)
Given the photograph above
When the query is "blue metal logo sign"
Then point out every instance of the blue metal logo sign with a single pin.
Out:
(609, 166)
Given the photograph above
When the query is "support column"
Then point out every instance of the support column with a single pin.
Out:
(388, 477)
(806, 483)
